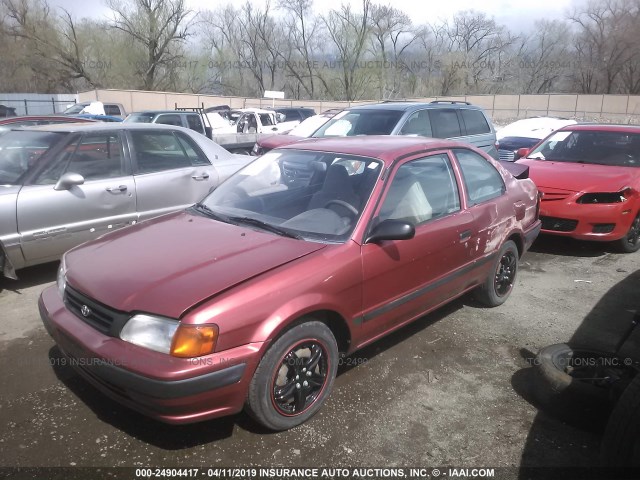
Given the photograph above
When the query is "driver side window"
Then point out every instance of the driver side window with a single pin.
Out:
(422, 190)
(96, 156)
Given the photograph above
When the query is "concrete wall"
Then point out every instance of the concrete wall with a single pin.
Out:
(605, 108)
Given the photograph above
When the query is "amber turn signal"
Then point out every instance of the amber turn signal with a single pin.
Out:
(194, 340)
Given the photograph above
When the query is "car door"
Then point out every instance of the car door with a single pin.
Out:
(488, 202)
(51, 221)
(404, 278)
(170, 171)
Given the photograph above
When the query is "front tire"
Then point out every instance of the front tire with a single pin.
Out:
(631, 241)
(499, 283)
(295, 377)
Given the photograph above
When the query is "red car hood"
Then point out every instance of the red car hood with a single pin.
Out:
(275, 141)
(167, 265)
(580, 177)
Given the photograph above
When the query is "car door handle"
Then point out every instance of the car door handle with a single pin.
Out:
(120, 188)
(204, 176)
(466, 235)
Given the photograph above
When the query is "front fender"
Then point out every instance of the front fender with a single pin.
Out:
(293, 310)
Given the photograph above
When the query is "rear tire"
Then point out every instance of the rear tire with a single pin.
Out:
(294, 377)
(621, 441)
(499, 283)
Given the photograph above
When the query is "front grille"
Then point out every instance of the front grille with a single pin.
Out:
(558, 224)
(603, 227)
(99, 316)
(506, 155)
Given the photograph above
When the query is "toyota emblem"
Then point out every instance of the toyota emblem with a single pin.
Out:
(85, 311)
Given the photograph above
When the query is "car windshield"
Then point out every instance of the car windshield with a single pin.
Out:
(307, 127)
(360, 122)
(312, 195)
(140, 117)
(77, 108)
(620, 149)
(20, 150)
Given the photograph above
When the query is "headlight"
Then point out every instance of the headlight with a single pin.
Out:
(169, 336)
(605, 197)
(61, 281)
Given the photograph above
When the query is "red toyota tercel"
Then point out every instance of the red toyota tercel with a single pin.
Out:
(312, 251)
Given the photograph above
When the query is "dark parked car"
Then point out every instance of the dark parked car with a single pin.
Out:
(249, 297)
(526, 133)
(7, 111)
(293, 114)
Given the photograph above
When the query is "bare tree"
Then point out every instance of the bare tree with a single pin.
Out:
(606, 42)
(479, 40)
(53, 40)
(303, 30)
(392, 35)
(159, 26)
(542, 58)
(349, 32)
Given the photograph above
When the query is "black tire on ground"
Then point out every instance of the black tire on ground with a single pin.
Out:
(294, 377)
(576, 401)
(621, 441)
(631, 241)
(499, 283)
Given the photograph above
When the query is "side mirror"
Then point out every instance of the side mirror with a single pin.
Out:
(522, 153)
(68, 180)
(391, 230)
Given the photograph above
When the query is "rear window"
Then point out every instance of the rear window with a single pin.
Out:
(112, 110)
(350, 123)
(475, 121)
(444, 123)
(195, 123)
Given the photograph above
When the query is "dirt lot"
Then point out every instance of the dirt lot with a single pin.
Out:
(451, 389)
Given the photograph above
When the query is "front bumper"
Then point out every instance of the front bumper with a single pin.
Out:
(169, 389)
(604, 222)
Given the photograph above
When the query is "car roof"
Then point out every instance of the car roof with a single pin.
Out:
(408, 106)
(85, 127)
(383, 147)
(23, 118)
(603, 127)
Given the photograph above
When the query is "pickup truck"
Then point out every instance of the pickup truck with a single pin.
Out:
(96, 108)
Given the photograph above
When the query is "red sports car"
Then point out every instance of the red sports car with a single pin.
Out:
(590, 179)
(314, 250)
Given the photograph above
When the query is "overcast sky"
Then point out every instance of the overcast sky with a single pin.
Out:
(516, 15)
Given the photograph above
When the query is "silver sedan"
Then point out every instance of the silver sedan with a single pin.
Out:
(62, 185)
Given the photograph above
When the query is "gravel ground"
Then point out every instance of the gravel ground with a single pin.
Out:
(453, 388)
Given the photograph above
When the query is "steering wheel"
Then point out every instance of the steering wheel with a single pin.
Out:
(344, 204)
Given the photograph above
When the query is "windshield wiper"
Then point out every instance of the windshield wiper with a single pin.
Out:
(265, 226)
(202, 208)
